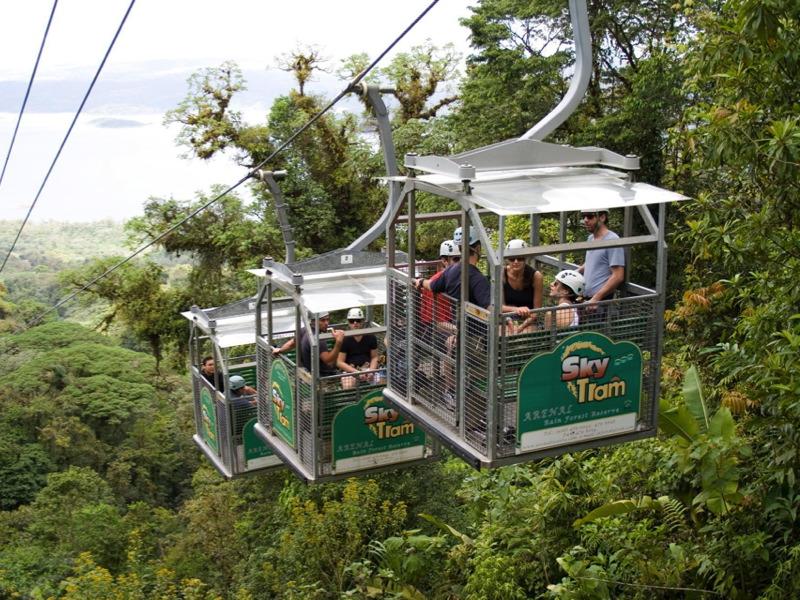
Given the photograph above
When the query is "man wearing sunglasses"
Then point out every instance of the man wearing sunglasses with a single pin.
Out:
(603, 269)
(358, 353)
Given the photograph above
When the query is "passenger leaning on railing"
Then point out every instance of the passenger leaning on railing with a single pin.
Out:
(327, 355)
(522, 290)
(450, 283)
(603, 268)
(567, 289)
(358, 353)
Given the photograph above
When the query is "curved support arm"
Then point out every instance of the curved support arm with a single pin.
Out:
(281, 208)
(373, 95)
(580, 80)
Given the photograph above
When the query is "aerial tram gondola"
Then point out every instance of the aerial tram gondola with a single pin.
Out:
(494, 397)
(222, 348)
(498, 397)
(327, 427)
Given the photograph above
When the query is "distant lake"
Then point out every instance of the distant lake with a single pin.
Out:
(108, 169)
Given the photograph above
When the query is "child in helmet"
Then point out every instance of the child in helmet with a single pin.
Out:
(567, 288)
(358, 353)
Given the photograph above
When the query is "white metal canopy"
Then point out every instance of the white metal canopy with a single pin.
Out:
(551, 190)
(338, 290)
(239, 330)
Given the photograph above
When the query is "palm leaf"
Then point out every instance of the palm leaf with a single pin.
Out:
(693, 396)
(677, 421)
(620, 507)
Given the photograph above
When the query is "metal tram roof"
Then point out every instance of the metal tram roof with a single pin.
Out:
(336, 290)
(235, 324)
(549, 190)
(529, 177)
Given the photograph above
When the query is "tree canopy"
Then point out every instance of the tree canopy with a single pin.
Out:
(102, 496)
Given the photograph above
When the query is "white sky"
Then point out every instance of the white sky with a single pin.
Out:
(109, 172)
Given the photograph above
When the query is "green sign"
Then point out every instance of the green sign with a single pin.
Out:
(282, 402)
(209, 418)
(257, 454)
(587, 388)
(371, 434)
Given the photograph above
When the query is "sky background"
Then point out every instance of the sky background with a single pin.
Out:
(120, 153)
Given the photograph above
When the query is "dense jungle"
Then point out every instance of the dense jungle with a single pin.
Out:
(103, 494)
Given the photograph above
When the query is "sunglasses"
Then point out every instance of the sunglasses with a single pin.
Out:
(516, 259)
(355, 320)
(588, 215)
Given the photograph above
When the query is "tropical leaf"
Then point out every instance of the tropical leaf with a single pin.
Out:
(622, 507)
(693, 396)
(448, 528)
(677, 421)
(722, 424)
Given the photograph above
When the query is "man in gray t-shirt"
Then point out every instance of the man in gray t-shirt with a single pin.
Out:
(604, 269)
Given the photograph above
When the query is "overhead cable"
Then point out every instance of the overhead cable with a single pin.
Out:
(356, 80)
(28, 91)
(66, 137)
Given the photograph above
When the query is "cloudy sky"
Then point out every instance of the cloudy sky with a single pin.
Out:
(120, 153)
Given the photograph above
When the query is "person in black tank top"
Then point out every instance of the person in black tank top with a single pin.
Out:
(522, 290)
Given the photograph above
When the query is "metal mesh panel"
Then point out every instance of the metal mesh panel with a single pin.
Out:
(476, 381)
(198, 413)
(333, 398)
(224, 427)
(264, 359)
(433, 371)
(241, 414)
(396, 359)
(635, 321)
(627, 319)
(303, 399)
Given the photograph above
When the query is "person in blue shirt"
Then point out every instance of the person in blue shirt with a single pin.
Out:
(450, 281)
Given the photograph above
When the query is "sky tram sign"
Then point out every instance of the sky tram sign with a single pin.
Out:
(370, 434)
(256, 453)
(282, 402)
(209, 416)
(587, 388)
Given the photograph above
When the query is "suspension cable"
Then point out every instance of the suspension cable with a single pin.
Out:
(66, 137)
(356, 80)
(28, 91)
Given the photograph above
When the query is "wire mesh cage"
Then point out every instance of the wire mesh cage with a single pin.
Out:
(225, 419)
(337, 424)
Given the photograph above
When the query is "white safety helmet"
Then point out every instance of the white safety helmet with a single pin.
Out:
(594, 210)
(449, 248)
(237, 382)
(355, 314)
(573, 280)
(516, 245)
(458, 236)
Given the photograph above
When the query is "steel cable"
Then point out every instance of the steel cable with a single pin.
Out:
(28, 91)
(66, 137)
(356, 80)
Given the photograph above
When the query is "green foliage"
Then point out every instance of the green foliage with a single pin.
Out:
(137, 296)
(208, 124)
(347, 523)
(100, 491)
(23, 468)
